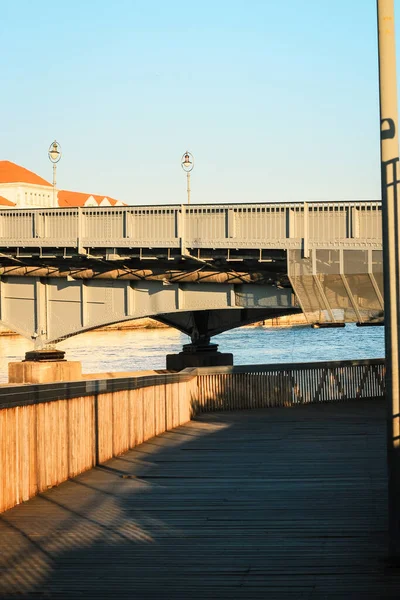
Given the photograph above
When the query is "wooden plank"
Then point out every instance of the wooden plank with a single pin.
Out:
(10, 495)
(105, 425)
(149, 420)
(138, 416)
(160, 409)
(120, 402)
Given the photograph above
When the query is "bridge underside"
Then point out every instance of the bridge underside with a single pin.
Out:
(50, 297)
(48, 310)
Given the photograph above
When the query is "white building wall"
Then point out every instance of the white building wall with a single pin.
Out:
(28, 196)
(91, 202)
(9, 192)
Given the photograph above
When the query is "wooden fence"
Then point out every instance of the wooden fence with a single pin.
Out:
(51, 432)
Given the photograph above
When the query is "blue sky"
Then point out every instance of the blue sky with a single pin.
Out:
(278, 101)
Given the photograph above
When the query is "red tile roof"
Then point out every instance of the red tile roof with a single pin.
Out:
(5, 202)
(12, 173)
(67, 198)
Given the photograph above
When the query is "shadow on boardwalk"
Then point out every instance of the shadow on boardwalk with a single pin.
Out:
(275, 503)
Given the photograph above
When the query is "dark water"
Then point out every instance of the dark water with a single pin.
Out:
(146, 348)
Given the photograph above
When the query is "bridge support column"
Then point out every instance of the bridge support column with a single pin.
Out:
(200, 353)
(44, 366)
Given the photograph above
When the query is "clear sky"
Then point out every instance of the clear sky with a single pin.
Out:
(277, 100)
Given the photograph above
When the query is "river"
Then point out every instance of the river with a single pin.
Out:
(134, 350)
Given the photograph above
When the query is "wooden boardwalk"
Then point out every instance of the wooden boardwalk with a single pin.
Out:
(274, 503)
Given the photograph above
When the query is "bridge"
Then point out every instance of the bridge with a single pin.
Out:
(174, 480)
(200, 268)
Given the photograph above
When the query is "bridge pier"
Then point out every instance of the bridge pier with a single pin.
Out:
(199, 355)
(47, 365)
(200, 352)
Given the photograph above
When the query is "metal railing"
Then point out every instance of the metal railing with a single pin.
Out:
(263, 386)
(269, 225)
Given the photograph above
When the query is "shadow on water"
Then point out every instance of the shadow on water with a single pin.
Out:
(276, 503)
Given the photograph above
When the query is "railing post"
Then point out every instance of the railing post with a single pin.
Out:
(306, 250)
(230, 223)
(355, 223)
(81, 249)
(183, 230)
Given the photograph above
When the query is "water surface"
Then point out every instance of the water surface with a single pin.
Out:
(135, 350)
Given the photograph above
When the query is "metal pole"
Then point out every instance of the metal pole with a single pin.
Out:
(54, 183)
(188, 187)
(391, 229)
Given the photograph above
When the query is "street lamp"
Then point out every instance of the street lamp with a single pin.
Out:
(187, 164)
(54, 156)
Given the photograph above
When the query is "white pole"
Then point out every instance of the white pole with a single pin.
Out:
(54, 184)
(390, 230)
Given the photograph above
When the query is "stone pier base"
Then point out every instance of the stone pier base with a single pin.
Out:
(44, 371)
(199, 356)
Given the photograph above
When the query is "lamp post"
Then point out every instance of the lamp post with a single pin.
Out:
(187, 164)
(54, 156)
(390, 180)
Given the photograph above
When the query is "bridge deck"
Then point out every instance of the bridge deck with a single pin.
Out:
(276, 503)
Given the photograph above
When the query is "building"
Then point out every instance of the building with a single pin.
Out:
(21, 188)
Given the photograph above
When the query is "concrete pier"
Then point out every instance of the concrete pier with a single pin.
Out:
(199, 355)
(44, 366)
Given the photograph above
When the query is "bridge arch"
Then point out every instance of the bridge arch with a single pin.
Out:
(48, 310)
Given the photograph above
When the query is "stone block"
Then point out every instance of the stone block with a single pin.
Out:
(44, 371)
(183, 360)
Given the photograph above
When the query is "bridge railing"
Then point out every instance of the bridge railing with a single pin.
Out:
(268, 225)
(51, 432)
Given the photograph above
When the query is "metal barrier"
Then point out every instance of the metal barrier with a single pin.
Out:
(269, 225)
(262, 386)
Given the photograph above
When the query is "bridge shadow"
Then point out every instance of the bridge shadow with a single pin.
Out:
(267, 503)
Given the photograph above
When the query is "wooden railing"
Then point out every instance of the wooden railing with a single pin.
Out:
(51, 432)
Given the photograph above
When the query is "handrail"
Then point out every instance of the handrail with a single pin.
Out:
(300, 366)
(29, 394)
(249, 225)
(292, 203)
